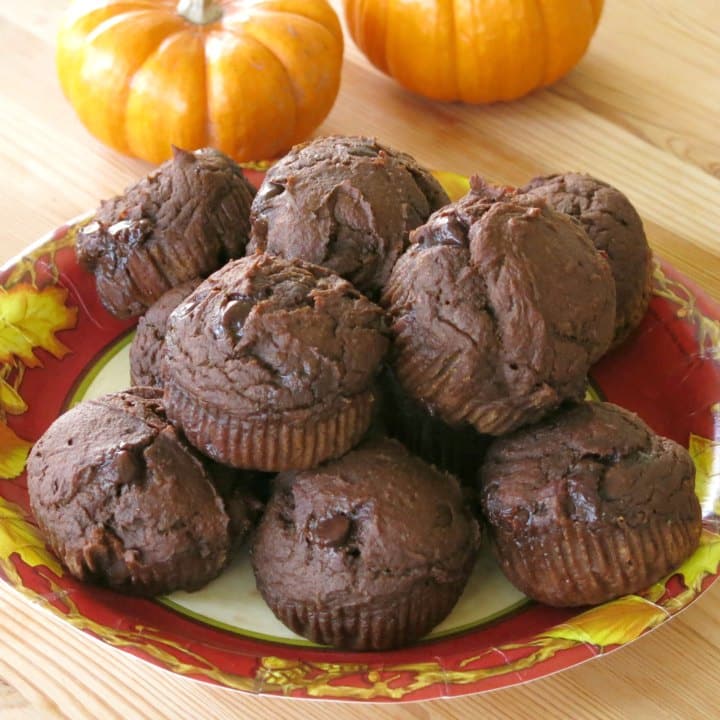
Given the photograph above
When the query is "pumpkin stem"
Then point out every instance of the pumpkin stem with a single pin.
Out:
(200, 12)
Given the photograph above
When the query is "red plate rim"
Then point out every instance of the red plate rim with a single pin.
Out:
(684, 324)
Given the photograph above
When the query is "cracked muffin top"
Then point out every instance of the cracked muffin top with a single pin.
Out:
(265, 335)
(498, 310)
(123, 499)
(615, 228)
(346, 203)
(594, 463)
(184, 220)
(450, 224)
(365, 528)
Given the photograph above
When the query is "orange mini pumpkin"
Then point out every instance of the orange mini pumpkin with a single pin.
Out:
(477, 51)
(249, 78)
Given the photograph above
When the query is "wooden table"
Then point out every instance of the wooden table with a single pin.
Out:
(641, 111)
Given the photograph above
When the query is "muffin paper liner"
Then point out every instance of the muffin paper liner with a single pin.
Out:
(574, 565)
(273, 443)
(391, 623)
(458, 450)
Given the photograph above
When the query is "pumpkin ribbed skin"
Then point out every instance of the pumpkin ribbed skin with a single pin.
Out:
(252, 83)
(477, 51)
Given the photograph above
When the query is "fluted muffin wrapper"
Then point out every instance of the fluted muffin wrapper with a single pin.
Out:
(455, 449)
(273, 443)
(573, 564)
(393, 623)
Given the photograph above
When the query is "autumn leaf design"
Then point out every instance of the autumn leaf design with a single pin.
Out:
(13, 452)
(706, 456)
(614, 623)
(19, 536)
(703, 562)
(10, 399)
(454, 185)
(29, 319)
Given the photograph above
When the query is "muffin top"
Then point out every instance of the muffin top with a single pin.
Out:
(614, 227)
(498, 311)
(450, 224)
(183, 220)
(124, 500)
(593, 463)
(265, 335)
(146, 347)
(346, 203)
(374, 523)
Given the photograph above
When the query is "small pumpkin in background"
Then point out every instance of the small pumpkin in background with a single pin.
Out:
(249, 78)
(477, 51)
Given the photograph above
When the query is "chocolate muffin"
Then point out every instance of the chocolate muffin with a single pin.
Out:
(614, 227)
(457, 449)
(368, 552)
(182, 221)
(123, 501)
(244, 494)
(589, 505)
(150, 335)
(346, 203)
(498, 310)
(269, 364)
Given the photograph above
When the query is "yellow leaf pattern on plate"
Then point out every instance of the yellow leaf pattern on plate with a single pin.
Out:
(455, 185)
(706, 456)
(614, 623)
(13, 452)
(30, 318)
(703, 562)
(19, 536)
(10, 400)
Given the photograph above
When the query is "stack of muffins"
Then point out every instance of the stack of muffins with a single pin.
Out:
(366, 305)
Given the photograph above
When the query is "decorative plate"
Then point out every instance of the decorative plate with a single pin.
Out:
(58, 346)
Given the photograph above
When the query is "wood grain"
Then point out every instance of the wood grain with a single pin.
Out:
(640, 111)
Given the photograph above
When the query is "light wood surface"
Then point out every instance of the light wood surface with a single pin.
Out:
(641, 111)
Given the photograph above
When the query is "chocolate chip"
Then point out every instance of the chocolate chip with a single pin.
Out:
(448, 229)
(131, 232)
(235, 314)
(90, 228)
(332, 531)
